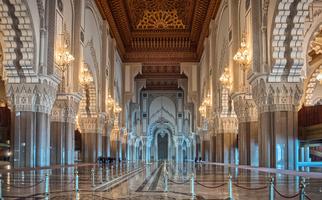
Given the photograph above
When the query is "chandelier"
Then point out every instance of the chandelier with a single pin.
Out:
(242, 56)
(86, 76)
(113, 109)
(109, 103)
(225, 79)
(203, 110)
(62, 59)
(117, 109)
(205, 104)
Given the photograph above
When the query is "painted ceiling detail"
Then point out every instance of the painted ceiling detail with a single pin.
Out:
(159, 31)
(160, 20)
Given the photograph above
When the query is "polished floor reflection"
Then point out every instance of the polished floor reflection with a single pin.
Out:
(129, 180)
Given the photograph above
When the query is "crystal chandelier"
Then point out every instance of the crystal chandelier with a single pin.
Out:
(225, 79)
(203, 110)
(62, 59)
(117, 109)
(242, 56)
(109, 102)
(205, 104)
(86, 76)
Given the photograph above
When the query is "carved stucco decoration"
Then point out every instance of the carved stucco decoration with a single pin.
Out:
(272, 97)
(160, 20)
(65, 108)
(316, 43)
(137, 8)
(245, 108)
(91, 124)
(37, 97)
(90, 44)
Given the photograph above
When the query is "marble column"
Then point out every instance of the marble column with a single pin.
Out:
(104, 145)
(226, 140)
(247, 116)
(278, 135)
(115, 142)
(62, 129)
(91, 130)
(31, 104)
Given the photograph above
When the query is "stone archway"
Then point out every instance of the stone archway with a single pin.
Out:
(162, 146)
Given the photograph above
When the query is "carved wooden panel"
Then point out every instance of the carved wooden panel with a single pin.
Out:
(159, 30)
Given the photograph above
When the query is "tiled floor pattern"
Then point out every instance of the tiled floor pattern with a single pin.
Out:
(146, 181)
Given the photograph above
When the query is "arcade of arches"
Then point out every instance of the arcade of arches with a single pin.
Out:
(225, 81)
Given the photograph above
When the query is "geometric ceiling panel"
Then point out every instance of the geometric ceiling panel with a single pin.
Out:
(159, 30)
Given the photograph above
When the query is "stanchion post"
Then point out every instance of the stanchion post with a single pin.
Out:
(101, 174)
(1, 198)
(165, 179)
(112, 171)
(230, 188)
(271, 189)
(193, 185)
(302, 189)
(166, 182)
(127, 167)
(47, 185)
(93, 177)
(106, 174)
(76, 181)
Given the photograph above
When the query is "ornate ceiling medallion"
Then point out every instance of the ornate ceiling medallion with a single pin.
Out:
(160, 20)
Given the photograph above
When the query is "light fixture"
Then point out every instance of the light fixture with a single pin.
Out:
(109, 103)
(203, 110)
(225, 79)
(117, 109)
(242, 56)
(86, 76)
(63, 58)
(319, 76)
(205, 104)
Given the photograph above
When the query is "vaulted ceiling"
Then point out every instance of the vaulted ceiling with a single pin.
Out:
(159, 30)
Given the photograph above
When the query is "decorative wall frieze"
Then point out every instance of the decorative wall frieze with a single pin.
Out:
(34, 97)
(272, 97)
(245, 107)
(65, 108)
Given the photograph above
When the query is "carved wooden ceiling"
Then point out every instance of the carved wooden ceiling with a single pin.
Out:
(159, 30)
(161, 77)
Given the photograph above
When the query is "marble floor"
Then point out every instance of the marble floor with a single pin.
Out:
(131, 180)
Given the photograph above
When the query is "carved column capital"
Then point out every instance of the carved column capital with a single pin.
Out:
(272, 97)
(35, 97)
(227, 125)
(245, 107)
(88, 124)
(65, 108)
